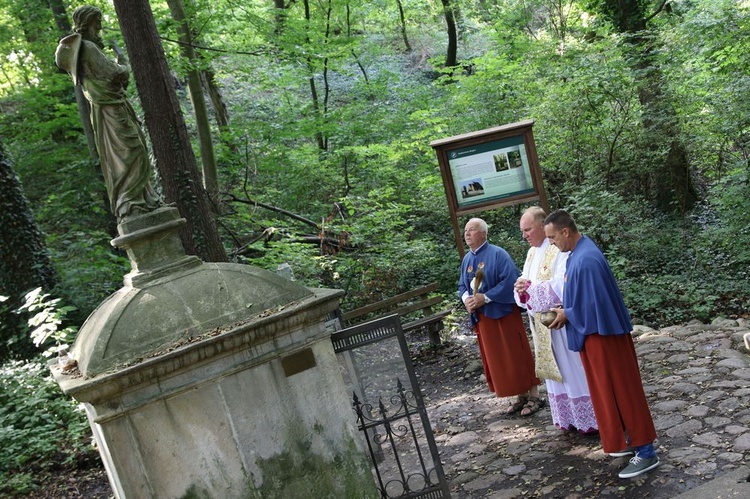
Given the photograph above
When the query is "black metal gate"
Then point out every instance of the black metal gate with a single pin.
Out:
(390, 411)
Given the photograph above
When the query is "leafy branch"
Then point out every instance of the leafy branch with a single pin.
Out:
(47, 321)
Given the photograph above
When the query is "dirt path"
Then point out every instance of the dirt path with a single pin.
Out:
(698, 384)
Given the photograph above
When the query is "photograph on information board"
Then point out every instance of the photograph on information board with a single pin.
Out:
(490, 171)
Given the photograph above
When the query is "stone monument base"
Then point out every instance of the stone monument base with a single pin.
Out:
(214, 380)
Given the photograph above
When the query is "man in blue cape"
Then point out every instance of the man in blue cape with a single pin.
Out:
(486, 289)
(598, 326)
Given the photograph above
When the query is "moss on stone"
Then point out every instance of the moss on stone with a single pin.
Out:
(194, 493)
(300, 474)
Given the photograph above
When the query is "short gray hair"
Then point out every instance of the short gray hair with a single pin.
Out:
(537, 213)
(481, 223)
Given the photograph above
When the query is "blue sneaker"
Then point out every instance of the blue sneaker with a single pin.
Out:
(638, 466)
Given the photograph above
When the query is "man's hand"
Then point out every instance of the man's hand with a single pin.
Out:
(520, 285)
(560, 320)
(474, 302)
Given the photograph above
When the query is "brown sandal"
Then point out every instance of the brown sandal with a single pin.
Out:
(532, 405)
(517, 405)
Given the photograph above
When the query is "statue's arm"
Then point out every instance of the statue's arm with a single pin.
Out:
(122, 59)
(101, 67)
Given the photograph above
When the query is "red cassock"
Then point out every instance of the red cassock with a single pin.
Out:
(506, 354)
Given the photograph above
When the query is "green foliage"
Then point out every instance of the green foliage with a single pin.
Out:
(625, 15)
(671, 270)
(24, 260)
(14, 333)
(669, 299)
(376, 110)
(375, 272)
(48, 319)
(709, 82)
(373, 192)
(67, 194)
(39, 427)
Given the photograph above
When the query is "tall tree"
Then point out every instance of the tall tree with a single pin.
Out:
(402, 19)
(280, 16)
(221, 112)
(672, 185)
(208, 159)
(320, 105)
(171, 144)
(451, 54)
(24, 260)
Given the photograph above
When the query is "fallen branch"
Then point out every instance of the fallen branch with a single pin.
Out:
(274, 208)
(330, 241)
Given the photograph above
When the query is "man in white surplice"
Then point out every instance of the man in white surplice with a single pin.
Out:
(540, 288)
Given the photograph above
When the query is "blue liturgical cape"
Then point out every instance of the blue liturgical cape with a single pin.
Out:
(591, 298)
(500, 274)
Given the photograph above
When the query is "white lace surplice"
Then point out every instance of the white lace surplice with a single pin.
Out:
(569, 399)
(542, 297)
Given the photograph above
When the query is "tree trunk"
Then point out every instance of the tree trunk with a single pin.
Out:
(451, 55)
(354, 54)
(221, 111)
(208, 159)
(217, 100)
(672, 184)
(84, 108)
(320, 111)
(403, 25)
(24, 261)
(280, 17)
(171, 145)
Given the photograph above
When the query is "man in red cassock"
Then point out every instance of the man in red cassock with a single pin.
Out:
(485, 286)
(598, 326)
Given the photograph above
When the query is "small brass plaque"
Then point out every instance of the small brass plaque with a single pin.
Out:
(298, 362)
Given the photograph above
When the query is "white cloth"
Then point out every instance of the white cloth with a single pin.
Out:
(569, 400)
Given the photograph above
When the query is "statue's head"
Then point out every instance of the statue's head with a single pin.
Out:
(87, 20)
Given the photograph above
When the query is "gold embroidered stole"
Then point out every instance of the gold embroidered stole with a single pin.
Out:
(530, 256)
(546, 366)
(546, 270)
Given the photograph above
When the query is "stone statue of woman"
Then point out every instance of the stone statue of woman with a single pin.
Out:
(118, 135)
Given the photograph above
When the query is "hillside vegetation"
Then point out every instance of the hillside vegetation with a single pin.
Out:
(321, 116)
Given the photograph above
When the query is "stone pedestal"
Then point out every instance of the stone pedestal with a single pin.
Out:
(214, 380)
